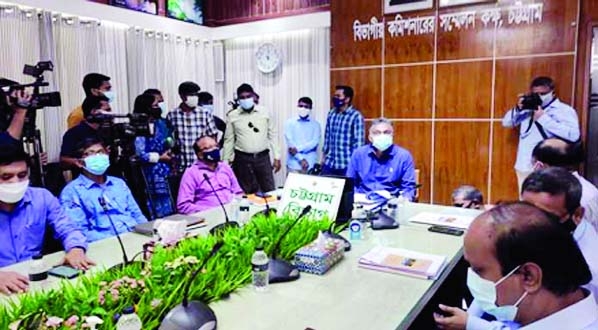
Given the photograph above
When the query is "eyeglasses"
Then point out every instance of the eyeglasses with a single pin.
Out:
(255, 129)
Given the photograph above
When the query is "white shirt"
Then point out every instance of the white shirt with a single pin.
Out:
(589, 200)
(582, 315)
(587, 240)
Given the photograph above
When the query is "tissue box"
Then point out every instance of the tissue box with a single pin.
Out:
(317, 258)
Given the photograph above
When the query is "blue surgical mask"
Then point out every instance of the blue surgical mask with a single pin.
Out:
(382, 141)
(338, 102)
(97, 164)
(247, 104)
(110, 95)
(208, 107)
(484, 293)
(212, 156)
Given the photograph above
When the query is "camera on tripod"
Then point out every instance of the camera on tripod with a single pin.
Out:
(38, 100)
(132, 125)
(531, 101)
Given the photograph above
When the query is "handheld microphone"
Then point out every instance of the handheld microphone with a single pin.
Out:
(192, 315)
(221, 227)
(104, 205)
(281, 270)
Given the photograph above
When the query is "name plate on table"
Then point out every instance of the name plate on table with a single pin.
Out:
(322, 193)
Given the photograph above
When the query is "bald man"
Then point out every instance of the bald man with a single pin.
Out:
(525, 271)
(559, 153)
(195, 193)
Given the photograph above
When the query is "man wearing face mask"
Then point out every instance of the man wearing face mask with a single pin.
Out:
(195, 194)
(552, 119)
(302, 135)
(88, 128)
(344, 133)
(94, 84)
(190, 121)
(250, 137)
(24, 213)
(382, 165)
(80, 197)
(526, 272)
(206, 101)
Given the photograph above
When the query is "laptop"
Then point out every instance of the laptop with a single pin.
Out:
(193, 222)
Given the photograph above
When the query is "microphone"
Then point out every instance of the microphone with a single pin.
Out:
(221, 227)
(268, 209)
(281, 270)
(126, 261)
(192, 315)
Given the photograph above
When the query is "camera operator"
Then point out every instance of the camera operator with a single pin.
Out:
(92, 106)
(540, 115)
(13, 109)
(155, 154)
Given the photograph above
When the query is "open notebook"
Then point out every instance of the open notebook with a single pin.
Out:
(401, 261)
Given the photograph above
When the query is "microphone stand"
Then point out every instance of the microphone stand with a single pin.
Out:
(192, 315)
(280, 270)
(227, 224)
(268, 211)
(126, 261)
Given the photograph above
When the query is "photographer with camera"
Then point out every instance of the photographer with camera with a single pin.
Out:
(92, 106)
(13, 109)
(540, 115)
(155, 155)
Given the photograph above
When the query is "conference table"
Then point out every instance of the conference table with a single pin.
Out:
(346, 297)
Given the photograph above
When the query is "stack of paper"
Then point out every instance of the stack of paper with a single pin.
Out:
(403, 261)
(453, 221)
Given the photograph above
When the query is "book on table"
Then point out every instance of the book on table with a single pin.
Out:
(452, 221)
(402, 261)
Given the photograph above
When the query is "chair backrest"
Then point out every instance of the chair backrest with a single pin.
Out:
(417, 184)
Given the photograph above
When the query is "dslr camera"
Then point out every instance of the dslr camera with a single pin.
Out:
(531, 101)
(38, 100)
(128, 128)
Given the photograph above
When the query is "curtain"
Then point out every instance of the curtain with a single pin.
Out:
(304, 72)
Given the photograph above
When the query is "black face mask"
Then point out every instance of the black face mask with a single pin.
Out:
(212, 156)
(569, 225)
(155, 112)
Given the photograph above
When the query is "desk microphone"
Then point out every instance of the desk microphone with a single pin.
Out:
(125, 262)
(268, 209)
(192, 315)
(281, 270)
(221, 227)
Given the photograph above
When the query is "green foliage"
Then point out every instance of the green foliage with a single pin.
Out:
(163, 279)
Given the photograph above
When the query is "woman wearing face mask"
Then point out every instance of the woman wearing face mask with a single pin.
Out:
(155, 153)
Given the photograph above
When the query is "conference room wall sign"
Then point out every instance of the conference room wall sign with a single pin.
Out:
(396, 6)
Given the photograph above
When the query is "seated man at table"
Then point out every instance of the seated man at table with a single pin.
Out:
(382, 165)
(526, 271)
(24, 213)
(82, 197)
(195, 193)
(468, 197)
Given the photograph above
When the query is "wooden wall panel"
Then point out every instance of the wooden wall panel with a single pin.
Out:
(417, 138)
(401, 100)
(366, 85)
(464, 90)
(513, 77)
(460, 157)
(556, 32)
(504, 152)
(225, 12)
(409, 48)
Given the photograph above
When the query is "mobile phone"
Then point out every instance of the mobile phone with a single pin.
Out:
(64, 272)
(446, 230)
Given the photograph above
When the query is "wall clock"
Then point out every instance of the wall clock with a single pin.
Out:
(268, 58)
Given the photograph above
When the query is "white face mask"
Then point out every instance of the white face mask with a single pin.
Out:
(484, 292)
(303, 112)
(162, 106)
(110, 95)
(11, 193)
(192, 101)
(546, 98)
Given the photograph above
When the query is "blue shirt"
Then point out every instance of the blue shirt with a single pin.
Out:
(393, 171)
(303, 134)
(344, 133)
(559, 120)
(80, 200)
(22, 230)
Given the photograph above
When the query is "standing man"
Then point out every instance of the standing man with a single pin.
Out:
(206, 101)
(94, 84)
(250, 137)
(190, 122)
(344, 133)
(302, 135)
(552, 118)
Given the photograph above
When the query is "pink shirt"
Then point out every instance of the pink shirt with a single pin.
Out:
(195, 193)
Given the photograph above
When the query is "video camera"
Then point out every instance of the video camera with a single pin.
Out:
(133, 125)
(531, 101)
(38, 100)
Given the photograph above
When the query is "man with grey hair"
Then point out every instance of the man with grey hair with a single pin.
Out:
(468, 197)
(382, 165)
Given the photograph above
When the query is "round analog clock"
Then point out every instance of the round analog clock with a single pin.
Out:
(268, 58)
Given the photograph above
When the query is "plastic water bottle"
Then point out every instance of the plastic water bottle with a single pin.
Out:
(259, 267)
(38, 270)
(355, 230)
(129, 320)
(392, 208)
(243, 215)
(401, 204)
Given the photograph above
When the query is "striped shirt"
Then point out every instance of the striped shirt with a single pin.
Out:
(344, 133)
(188, 126)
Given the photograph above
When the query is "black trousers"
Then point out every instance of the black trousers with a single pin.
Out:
(254, 171)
